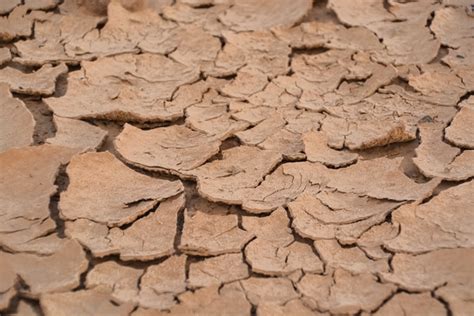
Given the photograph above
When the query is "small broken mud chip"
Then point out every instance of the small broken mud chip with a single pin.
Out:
(104, 190)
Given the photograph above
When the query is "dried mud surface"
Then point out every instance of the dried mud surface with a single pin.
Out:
(236, 157)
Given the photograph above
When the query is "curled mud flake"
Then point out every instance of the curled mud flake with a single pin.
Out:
(58, 272)
(175, 149)
(435, 158)
(269, 258)
(288, 144)
(188, 15)
(42, 4)
(269, 290)
(51, 34)
(16, 24)
(161, 283)
(407, 42)
(317, 150)
(373, 239)
(213, 119)
(445, 221)
(26, 308)
(258, 51)
(247, 82)
(329, 215)
(462, 57)
(428, 83)
(41, 82)
(27, 179)
(8, 281)
(274, 251)
(229, 180)
(121, 280)
(387, 181)
(229, 300)
(217, 270)
(459, 132)
(83, 302)
(16, 120)
(411, 304)
(293, 307)
(262, 130)
(459, 297)
(5, 55)
(123, 33)
(126, 87)
(210, 229)
(281, 186)
(148, 238)
(450, 269)
(196, 48)
(352, 259)
(7, 6)
(350, 13)
(101, 181)
(77, 134)
(248, 15)
(453, 26)
(344, 293)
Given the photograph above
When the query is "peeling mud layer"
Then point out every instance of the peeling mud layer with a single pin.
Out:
(236, 157)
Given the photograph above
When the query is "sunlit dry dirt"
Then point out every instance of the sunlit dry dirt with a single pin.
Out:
(236, 157)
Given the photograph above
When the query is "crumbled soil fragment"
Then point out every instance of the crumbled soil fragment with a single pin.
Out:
(83, 302)
(147, 238)
(16, 120)
(92, 175)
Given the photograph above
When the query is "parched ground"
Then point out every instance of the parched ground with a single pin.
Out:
(237, 157)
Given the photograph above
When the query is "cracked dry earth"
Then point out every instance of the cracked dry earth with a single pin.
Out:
(236, 157)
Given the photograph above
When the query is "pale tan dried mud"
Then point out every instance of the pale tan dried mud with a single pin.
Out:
(236, 157)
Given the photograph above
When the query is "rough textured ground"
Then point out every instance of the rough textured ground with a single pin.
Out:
(236, 157)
